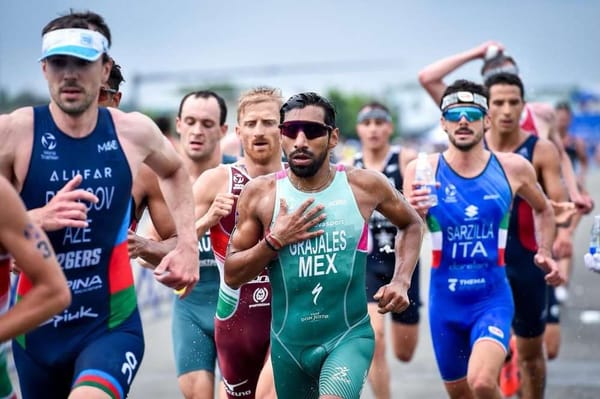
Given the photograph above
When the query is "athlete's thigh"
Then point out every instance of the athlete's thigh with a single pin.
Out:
(345, 369)
(486, 359)
(529, 293)
(377, 320)
(404, 340)
(265, 388)
(40, 381)
(242, 348)
(492, 320)
(110, 362)
(451, 343)
(373, 281)
(192, 330)
(289, 375)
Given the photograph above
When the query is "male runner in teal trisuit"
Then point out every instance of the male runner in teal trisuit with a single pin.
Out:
(310, 224)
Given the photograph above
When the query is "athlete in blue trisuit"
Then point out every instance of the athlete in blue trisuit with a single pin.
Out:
(309, 224)
(94, 348)
(470, 301)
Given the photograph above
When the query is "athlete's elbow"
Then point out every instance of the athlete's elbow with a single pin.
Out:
(60, 299)
(232, 279)
(425, 77)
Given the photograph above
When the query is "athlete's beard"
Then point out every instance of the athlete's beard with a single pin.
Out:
(74, 108)
(465, 147)
(307, 170)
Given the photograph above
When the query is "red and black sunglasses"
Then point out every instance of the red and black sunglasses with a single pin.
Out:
(311, 130)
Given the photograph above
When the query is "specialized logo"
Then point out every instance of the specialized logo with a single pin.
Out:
(452, 284)
(337, 202)
(316, 292)
(471, 211)
(341, 374)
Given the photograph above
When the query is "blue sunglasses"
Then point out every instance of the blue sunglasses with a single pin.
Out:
(471, 114)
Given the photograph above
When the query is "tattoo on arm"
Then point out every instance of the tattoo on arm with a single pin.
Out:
(31, 233)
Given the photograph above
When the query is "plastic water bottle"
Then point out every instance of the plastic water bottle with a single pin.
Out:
(425, 178)
(492, 52)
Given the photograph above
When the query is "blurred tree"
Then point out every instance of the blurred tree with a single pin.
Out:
(228, 91)
(22, 99)
(347, 106)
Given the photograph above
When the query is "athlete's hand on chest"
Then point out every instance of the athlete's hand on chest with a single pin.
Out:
(291, 227)
(68, 208)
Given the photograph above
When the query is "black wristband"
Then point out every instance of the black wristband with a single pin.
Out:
(269, 245)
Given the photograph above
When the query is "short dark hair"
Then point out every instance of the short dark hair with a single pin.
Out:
(497, 62)
(505, 79)
(116, 76)
(302, 100)
(207, 94)
(374, 105)
(164, 124)
(465, 85)
(563, 105)
(82, 20)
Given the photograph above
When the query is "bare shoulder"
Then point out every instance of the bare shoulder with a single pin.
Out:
(513, 163)
(364, 178)
(547, 149)
(134, 126)
(258, 198)
(211, 182)
(216, 175)
(407, 154)
(18, 121)
(260, 185)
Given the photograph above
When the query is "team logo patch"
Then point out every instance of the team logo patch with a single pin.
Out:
(452, 284)
(496, 331)
(471, 211)
(48, 141)
(450, 193)
(260, 295)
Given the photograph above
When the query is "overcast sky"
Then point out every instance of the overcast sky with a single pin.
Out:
(554, 41)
